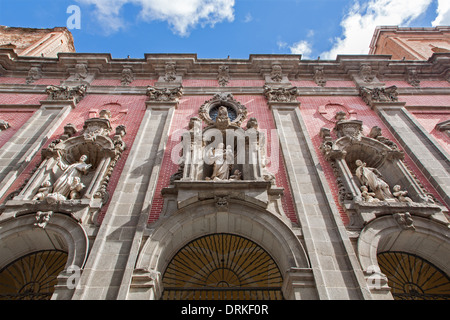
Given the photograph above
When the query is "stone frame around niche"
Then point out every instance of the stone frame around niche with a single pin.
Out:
(376, 152)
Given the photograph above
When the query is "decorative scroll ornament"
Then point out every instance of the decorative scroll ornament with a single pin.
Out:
(319, 78)
(164, 94)
(4, 125)
(66, 93)
(34, 74)
(412, 77)
(379, 94)
(224, 75)
(281, 94)
(170, 72)
(277, 73)
(366, 73)
(127, 76)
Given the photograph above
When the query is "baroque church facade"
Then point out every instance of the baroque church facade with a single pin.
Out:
(274, 177)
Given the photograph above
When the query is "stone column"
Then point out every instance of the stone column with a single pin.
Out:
(109, 270)
(20, 150)
(335, 267)
(423, 149)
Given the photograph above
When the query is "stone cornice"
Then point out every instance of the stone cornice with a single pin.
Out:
(188, 66)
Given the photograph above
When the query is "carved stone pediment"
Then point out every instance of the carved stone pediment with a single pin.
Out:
(164, 94)
(281, 94)
(66, 93)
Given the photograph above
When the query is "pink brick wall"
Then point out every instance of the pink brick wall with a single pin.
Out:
(257, 107)
(310, 107)
(429, 119)
(16, 119)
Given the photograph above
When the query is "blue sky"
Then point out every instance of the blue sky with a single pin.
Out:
(220, 28)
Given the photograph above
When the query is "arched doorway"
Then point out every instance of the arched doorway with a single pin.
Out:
(411, 277)
(222, 267)
(33, 276)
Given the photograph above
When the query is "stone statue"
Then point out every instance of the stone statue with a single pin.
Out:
(373, 179)
(67, 182)
(237, 175)
(43, 191)
(222, 159)
(401, 195)
(368, 196)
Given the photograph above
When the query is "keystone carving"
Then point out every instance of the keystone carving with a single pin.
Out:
(66, 93)
(164, 94)
(281, 94)
(404, 220)
(43, 218)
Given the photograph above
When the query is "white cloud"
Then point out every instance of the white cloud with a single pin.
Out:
(443, 14)
(359, 24)
(302, 47)
(181, 15)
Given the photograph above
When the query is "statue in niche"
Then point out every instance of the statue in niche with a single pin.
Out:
(67, 185)
(373, 179)
(237, 175)
(222, 159)
(368, 196)
(400, 194)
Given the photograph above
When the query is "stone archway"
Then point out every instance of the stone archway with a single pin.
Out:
(61, 244)
(426, 239)
(269, 232)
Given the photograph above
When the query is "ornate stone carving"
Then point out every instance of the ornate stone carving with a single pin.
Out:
(34, 74)
(344, 127)
(281, 94)
(404, 220)
(81, 71)
(69, 131)
(224, 75)
(319, 77)
(43, 218)
(276, 75)
(235, 111)
(221, 202)
(366, 73)
(4, 125)
(94, 127)
(374, 95)
(164, 94)
(127, 76)
(66, 93)
(170, 72)
(412, 77)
